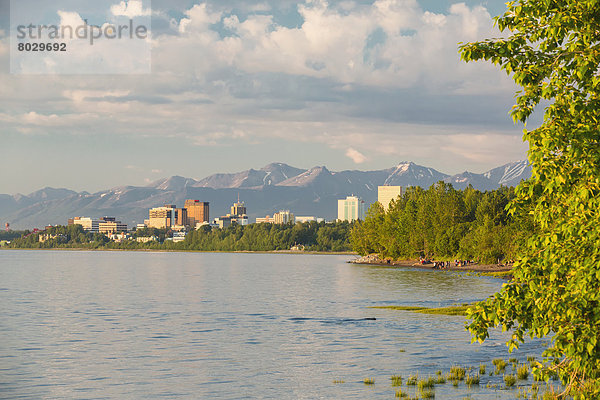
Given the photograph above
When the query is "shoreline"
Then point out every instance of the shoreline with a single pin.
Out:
(375, 260)
(371, 259)
(292, 252)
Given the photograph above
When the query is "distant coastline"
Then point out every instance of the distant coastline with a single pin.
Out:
(291, 252)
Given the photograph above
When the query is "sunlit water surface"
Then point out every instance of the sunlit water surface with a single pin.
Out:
(132, 325)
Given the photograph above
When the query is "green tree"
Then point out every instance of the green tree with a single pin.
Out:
(552, 51)
(366, 235)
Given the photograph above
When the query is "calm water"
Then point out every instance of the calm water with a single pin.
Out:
(130, 325)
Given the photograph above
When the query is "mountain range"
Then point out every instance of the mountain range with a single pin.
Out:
(274, 187)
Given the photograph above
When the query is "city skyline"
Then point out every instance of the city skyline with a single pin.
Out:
(383, 83)
(266, 190)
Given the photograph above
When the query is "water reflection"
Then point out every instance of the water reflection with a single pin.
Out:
(177, 325)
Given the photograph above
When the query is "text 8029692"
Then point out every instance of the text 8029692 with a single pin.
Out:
(42, 47)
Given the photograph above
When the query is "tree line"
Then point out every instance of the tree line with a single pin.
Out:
(313, 236)
(443, 223)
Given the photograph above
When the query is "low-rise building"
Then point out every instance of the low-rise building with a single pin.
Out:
(146, 239)
(43, 237)
(119, 237)
(201, 224)
(88, 224)
(178, 237)
(305, 219)
(281, 217)
(223, 222)
(266, 220)
(109, 226)
(309, 219)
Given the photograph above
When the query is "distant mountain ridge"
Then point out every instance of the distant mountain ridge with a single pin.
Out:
(276, 186)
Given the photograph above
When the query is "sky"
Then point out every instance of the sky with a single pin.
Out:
(238, 84)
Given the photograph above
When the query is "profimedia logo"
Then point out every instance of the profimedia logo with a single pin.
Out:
(75, 37)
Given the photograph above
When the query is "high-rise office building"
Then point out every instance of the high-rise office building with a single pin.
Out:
(197, 212)
(385, 194)
(351, 209)
(283, 217)
(159, 217)
(166, 217)
(181, 217)
(238, 209)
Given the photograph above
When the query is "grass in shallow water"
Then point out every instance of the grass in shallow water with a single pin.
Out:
(452, 310)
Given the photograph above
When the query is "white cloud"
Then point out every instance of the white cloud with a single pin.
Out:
(199, 18)
(355, 156)
(78, 96)
(70, 18)
(391, 43)
(129, 9)
(267, 81)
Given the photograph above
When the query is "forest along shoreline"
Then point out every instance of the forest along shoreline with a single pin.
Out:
(375, 259)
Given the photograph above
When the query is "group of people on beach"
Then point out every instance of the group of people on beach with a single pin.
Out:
(445, 264)
(440, 264)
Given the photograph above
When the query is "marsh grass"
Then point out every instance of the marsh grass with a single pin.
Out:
(369, 381)
(482, 368)
(457, 373)
(336, 381)
(396, 380)
(472, 380)
(400, 394)
(412, 380)
(497, 274)
(452, 310)
(550, 396)
(523, 372)
(427, 394)
(510, 380)
(426, 383)
(500, 365)
(522, 394)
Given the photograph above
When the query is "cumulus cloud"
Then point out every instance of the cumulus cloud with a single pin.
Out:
(198, 19)
(130, 9)
(384, 78)
(355, 156)
(70, 18)
(390, 43)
